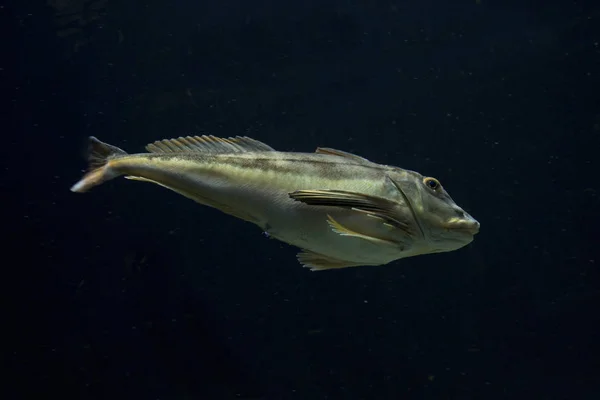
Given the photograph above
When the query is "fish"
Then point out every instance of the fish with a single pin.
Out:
(340, 209)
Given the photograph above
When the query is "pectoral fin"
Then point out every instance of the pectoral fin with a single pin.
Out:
(372, 205)
(319, 262)
(345, 231)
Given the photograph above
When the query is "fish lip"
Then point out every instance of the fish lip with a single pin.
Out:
(467, 226)
(467, 230)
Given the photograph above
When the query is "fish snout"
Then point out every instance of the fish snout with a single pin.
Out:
(463, 222)
(471, 226)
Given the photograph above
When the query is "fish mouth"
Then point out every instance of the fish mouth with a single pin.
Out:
(471, 228)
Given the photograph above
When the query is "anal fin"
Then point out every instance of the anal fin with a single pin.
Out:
(319, 262)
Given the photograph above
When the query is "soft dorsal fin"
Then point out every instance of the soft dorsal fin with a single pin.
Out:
(340, 153)
(208, 144)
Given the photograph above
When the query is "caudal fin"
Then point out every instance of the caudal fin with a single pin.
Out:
(99, 171)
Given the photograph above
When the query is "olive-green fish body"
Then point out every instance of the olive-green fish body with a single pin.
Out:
(340, 209)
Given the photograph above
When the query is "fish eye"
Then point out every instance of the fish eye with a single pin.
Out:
(431, 183)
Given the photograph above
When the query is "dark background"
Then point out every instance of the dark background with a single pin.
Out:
(132, 291)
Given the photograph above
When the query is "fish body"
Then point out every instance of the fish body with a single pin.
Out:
(342, 210)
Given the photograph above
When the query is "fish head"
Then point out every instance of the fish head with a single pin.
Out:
(441, 224)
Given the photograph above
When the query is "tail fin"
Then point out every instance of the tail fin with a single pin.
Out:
(99, 171)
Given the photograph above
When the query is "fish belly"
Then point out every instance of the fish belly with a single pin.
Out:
(307, 226)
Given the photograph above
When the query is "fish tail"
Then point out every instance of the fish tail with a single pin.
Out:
(99, 169)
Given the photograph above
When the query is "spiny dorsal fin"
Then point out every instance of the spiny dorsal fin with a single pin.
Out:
(208, 144)
(340, 153)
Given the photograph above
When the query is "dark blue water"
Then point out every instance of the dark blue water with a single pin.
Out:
(132, 291)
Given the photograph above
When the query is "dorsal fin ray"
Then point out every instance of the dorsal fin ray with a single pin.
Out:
(208, 144)
(340, 153)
